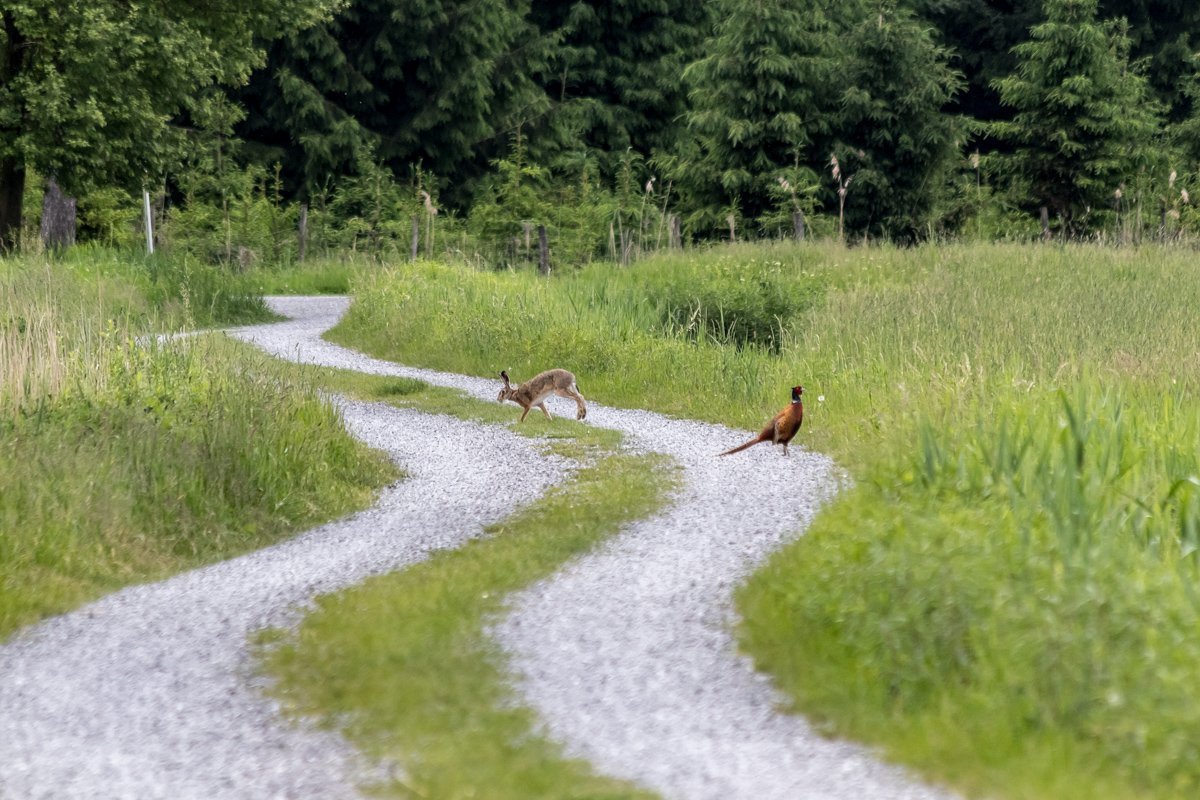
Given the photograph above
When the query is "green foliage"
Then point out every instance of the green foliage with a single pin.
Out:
(1084, 118)
(402, 663)
(125, 459)
(614, 74)
(1006, 600)
(428, 82)
(892, 134)
(89, 102)
(760, 94)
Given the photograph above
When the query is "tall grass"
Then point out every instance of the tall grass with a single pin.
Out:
(123, 458)
(1017, 565)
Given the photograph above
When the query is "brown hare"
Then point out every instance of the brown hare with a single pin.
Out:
(533, 392)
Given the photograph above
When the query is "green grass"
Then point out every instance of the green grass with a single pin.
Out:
(317, 277)
(122, 460)
(401, 664)
(1009, 598)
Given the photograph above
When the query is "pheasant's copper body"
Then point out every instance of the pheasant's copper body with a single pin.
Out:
(783, 428)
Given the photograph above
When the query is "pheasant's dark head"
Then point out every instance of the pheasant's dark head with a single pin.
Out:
(796, 392)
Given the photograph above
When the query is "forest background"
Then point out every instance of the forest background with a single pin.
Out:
(375, 124)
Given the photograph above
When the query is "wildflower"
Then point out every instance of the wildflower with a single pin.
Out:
(1173, 214)
(820, 397)
(650, 184)
(1184, 195)
(975, 159)
(1119, 193)
(837, 170)
(1171, 180)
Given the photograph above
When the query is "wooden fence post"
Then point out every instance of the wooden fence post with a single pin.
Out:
(676, 233)
(798, 225)
(303, 229)
(543, 251)
(58, 217)
(416, 233)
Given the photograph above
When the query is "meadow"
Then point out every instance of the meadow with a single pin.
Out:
(125, 457)
(1007, 597)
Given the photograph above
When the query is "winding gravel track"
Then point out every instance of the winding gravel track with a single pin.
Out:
(626, 654)
(148, 692)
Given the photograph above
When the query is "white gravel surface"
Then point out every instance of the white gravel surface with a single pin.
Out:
(627, 653)
(148, 692)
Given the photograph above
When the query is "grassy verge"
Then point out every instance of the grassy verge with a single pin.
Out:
(124, 460)
(402, 664)
(319, 277)
(1009, 599)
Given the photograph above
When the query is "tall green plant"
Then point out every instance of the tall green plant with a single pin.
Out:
(760, 95)
(893, 134)
(1084, 116)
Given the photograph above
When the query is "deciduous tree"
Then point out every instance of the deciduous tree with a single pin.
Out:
(88, 87)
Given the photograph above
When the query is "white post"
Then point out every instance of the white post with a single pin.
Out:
(149, 224)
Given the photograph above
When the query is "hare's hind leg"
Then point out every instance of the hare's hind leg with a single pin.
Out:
(572, 393)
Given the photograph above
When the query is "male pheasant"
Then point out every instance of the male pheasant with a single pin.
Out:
(783, 428)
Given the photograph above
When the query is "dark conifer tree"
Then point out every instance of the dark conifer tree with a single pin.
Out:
(1083, 115)
(434, 82)
(893, 135)
(760, 94)
(615, 71)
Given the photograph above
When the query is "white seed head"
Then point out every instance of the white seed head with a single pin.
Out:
(975, 160)
(1173, 214)
(1171, 180)
(1184, 195)
(820, 398)
(1119, 193)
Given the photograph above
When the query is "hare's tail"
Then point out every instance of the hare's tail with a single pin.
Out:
(740, 448)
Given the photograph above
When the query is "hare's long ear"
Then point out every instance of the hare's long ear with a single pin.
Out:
(504, 375)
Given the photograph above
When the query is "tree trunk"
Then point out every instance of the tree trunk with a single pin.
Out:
(12, 192)
(732, 228)
(676, 233)
(58, 217)
(798, 225)
(12, 168)
(416, 236)
(543, 251)
(1045, 223)
(303, 229)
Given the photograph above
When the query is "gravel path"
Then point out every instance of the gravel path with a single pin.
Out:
(147, 693)
(626, 654)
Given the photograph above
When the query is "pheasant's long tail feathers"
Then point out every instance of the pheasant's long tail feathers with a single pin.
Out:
(740, 448)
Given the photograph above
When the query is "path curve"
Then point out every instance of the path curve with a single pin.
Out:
(626, 654)
(148, 692)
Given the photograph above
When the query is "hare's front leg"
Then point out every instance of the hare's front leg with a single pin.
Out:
(542, 406)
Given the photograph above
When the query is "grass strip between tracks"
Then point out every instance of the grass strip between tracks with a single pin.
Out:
(402, 664)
